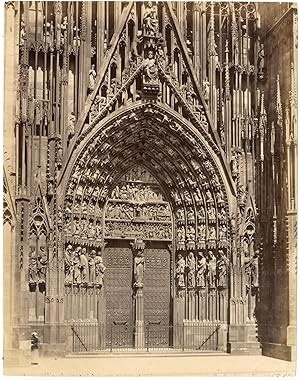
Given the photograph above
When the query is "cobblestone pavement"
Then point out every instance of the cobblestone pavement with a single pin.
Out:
(141, 365)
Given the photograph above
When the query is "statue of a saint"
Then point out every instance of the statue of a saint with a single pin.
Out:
(212, 269)
(261, 61)
(99, 269)
(33, 270)
(71, 126)
(150, 69)
(139, 267)
(206, 88)
(201, 271)
(191, 265)
(180, 270)
(69, 268)
(150, 20)
(92, 78)
(222, 265)
(42, 265)
(92, 266)
(77, 266)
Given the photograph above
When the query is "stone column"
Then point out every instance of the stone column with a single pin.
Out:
(139, 335)
(138, 271)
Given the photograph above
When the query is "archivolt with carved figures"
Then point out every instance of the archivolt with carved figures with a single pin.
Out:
(103, 202)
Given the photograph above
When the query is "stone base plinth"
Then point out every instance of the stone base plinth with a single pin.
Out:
(13, 358)
(279, 351)
(244, 348)
(242, 340)
(53, 350)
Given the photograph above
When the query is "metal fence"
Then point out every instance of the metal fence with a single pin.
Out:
(91, 337)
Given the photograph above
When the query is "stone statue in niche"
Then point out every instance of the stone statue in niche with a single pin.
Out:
(69, 265)
(71, 126)
(211, 212)
(206, 89)
(201, 231)
(180, 214)
(180, 237)
(201, 213)
(84, 266)
(42, 265)
(190, 233)
(180, 271)
(209, 197)
(99, 269)
(191, 267)
(50, 186)
(92, 78)
(222, 214)
(91, 230)
(33, 270)
(212, 269)
(191, 215)
(251, 270)
(150, 20)
(77, 266)
(139, 267)
(211, 233)
(234, 163)
(92, 267)
(201, 270)
(150, 69)
(261, 60)
(222, 267)
(22, 31)
(222, 232)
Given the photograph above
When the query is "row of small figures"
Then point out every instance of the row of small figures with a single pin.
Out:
(204, 233)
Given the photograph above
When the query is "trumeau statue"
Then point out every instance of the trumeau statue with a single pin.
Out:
(139, 267)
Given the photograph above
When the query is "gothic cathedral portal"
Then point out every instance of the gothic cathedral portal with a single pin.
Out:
(149, 172)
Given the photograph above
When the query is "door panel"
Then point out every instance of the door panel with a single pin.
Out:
(157, 296)
(118, 292)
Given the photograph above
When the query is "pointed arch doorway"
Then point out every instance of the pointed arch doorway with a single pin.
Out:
(137, 255)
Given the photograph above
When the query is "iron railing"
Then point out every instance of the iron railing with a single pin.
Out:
(202, 336)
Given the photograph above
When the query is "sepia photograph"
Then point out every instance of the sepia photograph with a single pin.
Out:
(149, 188)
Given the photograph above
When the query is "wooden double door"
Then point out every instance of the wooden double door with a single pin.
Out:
(120, 294)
